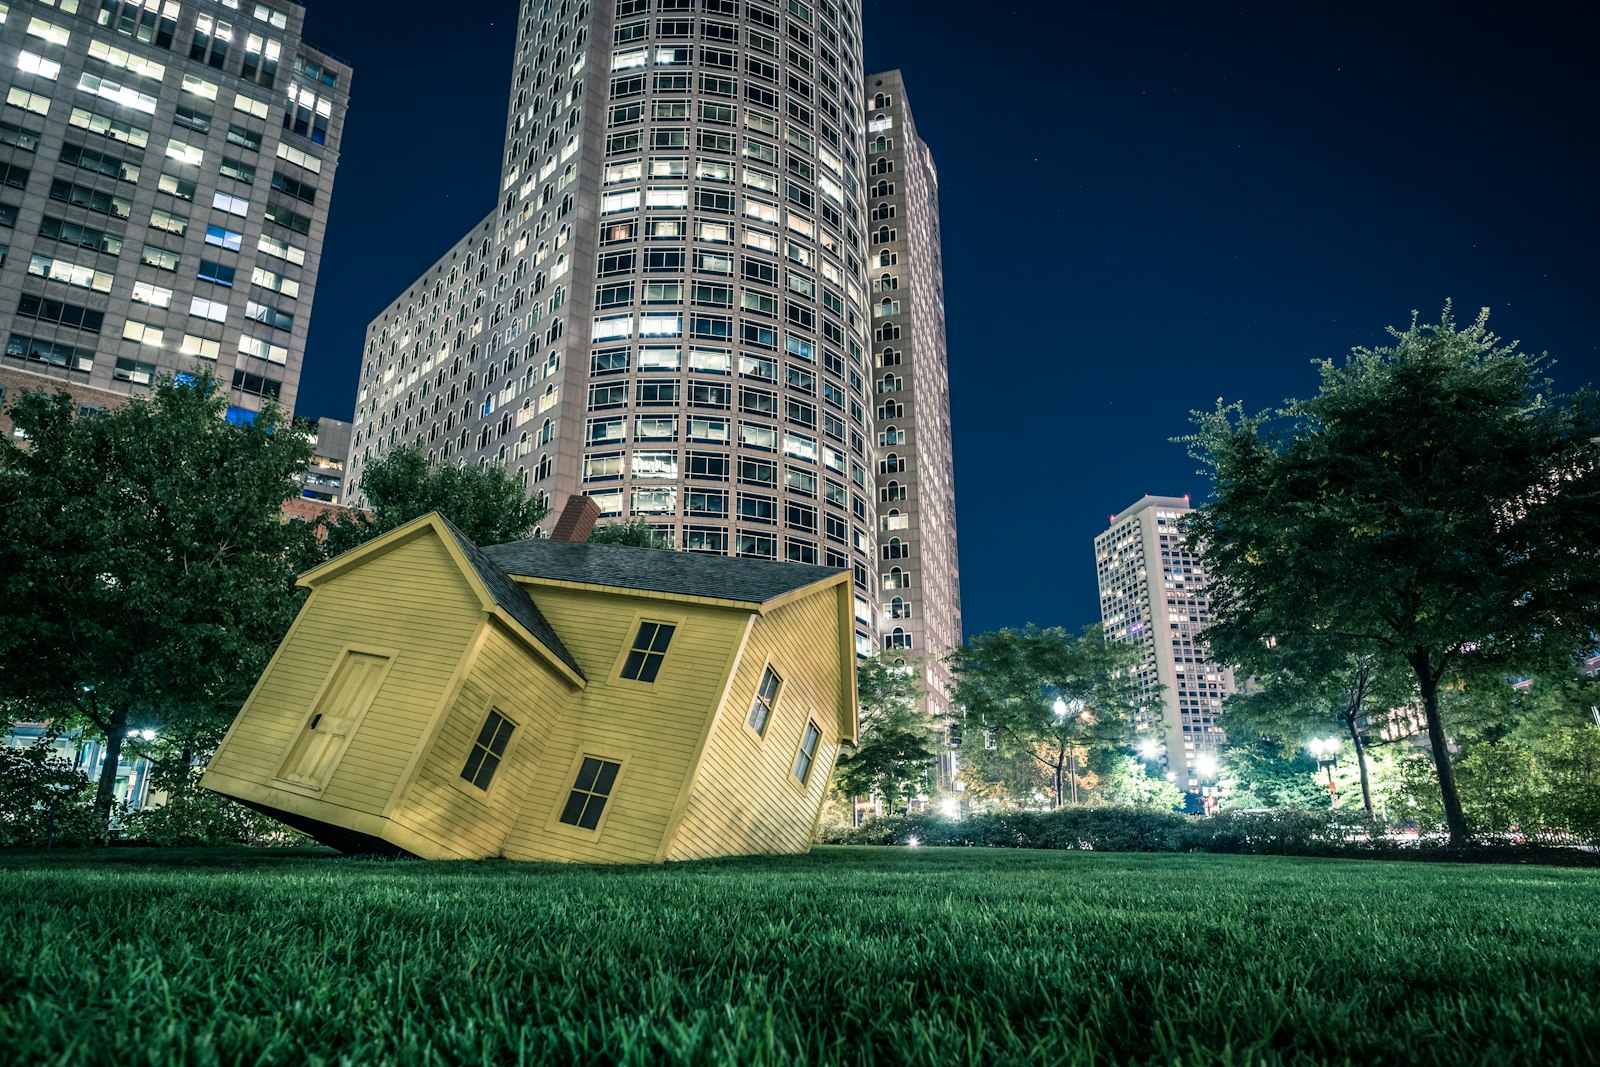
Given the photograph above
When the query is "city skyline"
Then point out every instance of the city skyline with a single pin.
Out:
(1200, 212)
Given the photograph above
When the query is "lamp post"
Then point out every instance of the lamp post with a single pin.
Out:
(57, 790)
(1205, 765)
(1325, 750)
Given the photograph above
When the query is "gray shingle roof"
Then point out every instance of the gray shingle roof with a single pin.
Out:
(753, 581)
(511, 598)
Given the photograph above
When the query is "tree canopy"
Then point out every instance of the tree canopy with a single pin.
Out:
(1044, 698)
(636, 534)
(146, 572)
(488, 504)
(894, 758)
(1435, 500)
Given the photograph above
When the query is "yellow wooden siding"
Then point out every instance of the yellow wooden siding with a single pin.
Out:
(439, 805)
(744, 798)
(653, 729)
(412, 603)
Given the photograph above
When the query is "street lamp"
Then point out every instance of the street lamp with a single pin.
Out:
(1325, 750)
(58, 792)
(1205, 764)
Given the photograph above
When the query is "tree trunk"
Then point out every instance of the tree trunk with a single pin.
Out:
(1072, 768)
(1454, 818)
(105, 797)
(1058, 780)
(1361, 762)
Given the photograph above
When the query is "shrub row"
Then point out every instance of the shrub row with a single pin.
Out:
(1106, 829)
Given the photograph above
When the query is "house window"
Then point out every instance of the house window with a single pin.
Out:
(649, 649)
(590, 792)
(488, 750)
(808, 753)
(766, 697)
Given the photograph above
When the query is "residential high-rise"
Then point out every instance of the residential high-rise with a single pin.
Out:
(915, 479)
(667, 309)
(165, 168)
(1153, 595)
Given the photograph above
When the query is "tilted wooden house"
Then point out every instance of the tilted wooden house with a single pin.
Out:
(543, 700)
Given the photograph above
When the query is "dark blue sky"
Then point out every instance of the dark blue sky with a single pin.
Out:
(1144, 209)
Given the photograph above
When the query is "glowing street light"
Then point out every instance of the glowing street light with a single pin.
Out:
(1205, 764)
(1325, 750)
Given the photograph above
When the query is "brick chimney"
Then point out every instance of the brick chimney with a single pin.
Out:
(577, 520)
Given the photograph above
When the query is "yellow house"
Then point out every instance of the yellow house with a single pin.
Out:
(550, 700)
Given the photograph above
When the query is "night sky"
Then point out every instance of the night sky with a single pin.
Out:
(1144, 209)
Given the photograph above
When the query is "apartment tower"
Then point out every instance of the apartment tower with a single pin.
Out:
(1153, 595)
(165, 168)
(667, 309)
(920, 599)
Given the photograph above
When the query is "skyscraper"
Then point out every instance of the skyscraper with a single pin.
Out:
(915, 479)
(1153, 595)
(165, 168)
(667, 310)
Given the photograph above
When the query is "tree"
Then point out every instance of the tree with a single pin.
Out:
(1045, 695)
(1125, 780)
(1434, 499)
(488, 504)
(1305, 687)
(637, 534)
(44, 799)
(146, 572)
(1257, 772)
(895, 753)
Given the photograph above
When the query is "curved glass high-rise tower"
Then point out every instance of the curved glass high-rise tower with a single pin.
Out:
(667, 309)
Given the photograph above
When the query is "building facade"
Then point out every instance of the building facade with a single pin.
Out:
(667, 309)
(323, 480)
(1153, 596)
(165, 169)
(920, 596)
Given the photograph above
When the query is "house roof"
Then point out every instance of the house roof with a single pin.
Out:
(510, 596)
(751, 581)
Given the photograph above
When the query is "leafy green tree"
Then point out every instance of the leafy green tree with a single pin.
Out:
(1259, 772)
(1306, 687)
(1046, 695)
(146, 572)
(894, 757)
(1433, 499)
(488, 504)
(636, 534)
(44, 799)
(1125, 781)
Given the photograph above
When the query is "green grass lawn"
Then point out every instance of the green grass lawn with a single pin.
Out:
(849, 955)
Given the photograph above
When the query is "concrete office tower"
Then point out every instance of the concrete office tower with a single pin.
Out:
(165, 169)
(667, 308)
(920, 597)
(323, 479)
(1153, 595)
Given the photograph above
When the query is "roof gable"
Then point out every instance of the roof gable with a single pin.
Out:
(491, 584)
(747, 581)
(511, 597)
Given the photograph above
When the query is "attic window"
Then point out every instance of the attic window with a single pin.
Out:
(649, 649)
(761, 706)
(587, 802)
(807, 755)
(487, 750)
